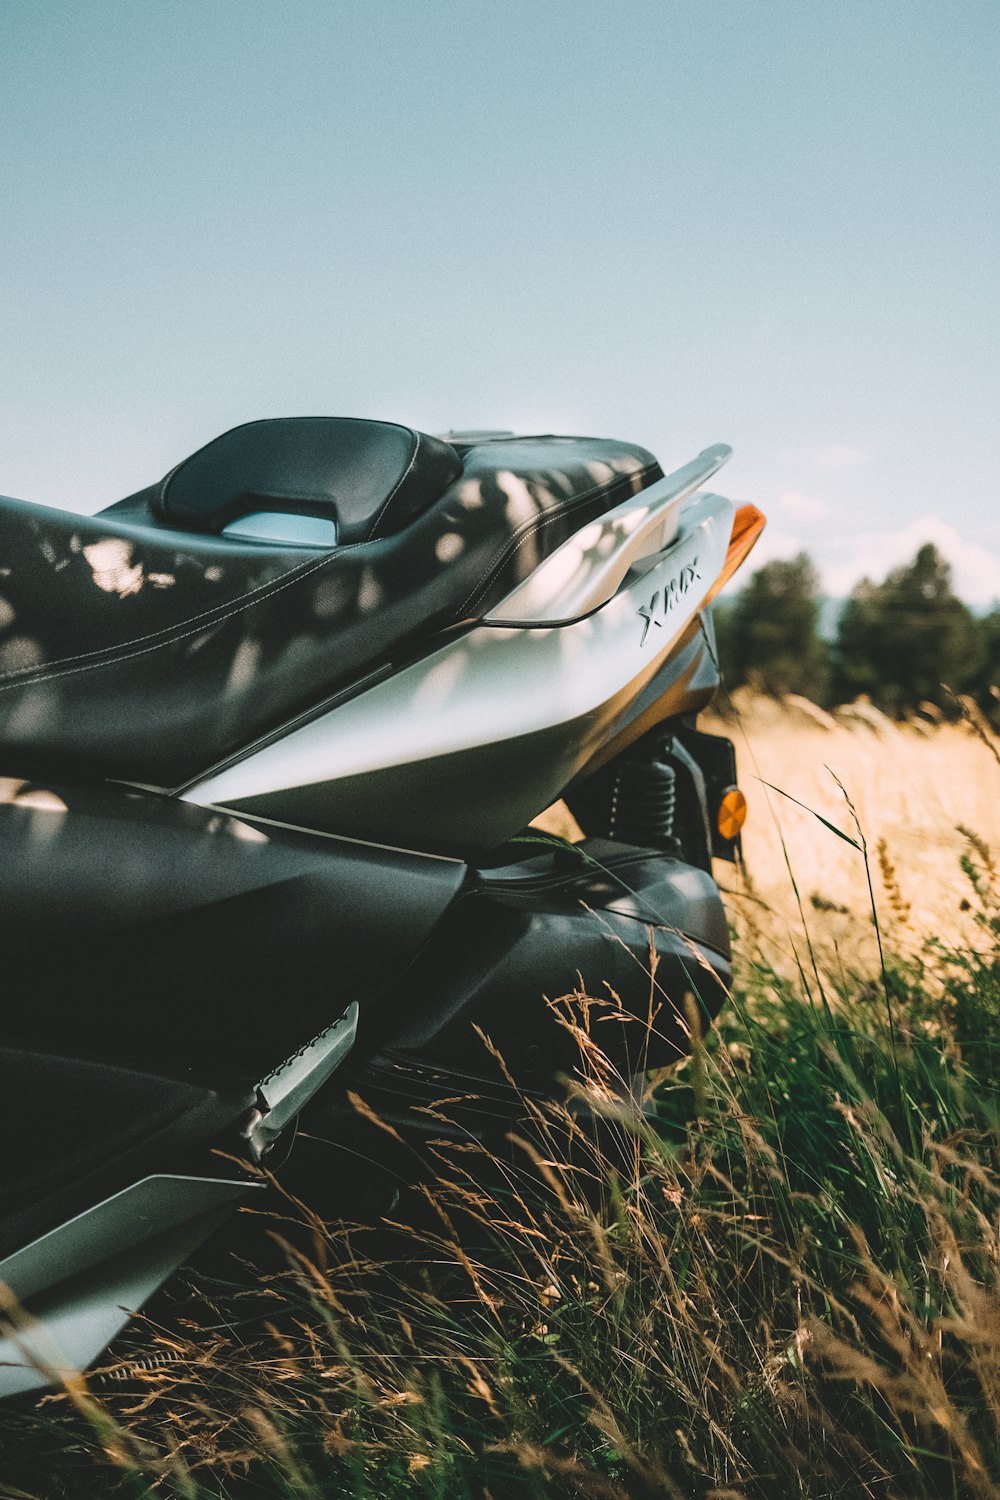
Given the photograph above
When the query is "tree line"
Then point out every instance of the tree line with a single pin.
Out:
(903, 642)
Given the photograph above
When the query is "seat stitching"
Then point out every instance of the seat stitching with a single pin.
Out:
(391, 495)
(514, 543)
(218, 614)
(483, 585)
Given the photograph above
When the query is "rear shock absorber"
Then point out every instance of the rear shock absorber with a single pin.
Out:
(674, 789)
(643, 803)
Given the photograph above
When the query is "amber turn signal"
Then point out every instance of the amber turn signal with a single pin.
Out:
(732, 813)
(748, 523)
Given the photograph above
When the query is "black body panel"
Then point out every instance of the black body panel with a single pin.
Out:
(715, 758)
(131, 649)
(531, 933)
(135, 927)
(82, 1130)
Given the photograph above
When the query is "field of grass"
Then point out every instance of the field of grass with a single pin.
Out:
(915, 792)
(784, 1282)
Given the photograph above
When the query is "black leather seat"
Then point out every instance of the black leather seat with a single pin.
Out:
(142, 644)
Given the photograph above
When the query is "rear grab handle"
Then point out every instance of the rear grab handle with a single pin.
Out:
(587, 570)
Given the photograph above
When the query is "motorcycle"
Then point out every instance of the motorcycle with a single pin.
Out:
(271, 733)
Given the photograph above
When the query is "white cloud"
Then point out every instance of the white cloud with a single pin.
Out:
(843, 560)
(799, 507)
(773, 545)
(976, 570)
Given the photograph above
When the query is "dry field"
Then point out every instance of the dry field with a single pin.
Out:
(917, 793)
(914, 790)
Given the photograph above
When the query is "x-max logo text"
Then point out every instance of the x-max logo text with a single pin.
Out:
(659, 608)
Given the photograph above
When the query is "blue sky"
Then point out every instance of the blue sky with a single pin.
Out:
(765, 222)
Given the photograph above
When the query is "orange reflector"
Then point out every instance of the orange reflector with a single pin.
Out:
(732, 813)
(748, 523)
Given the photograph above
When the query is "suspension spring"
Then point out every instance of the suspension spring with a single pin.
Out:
(643, 802)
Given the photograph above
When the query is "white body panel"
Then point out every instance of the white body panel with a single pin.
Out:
(493, 685)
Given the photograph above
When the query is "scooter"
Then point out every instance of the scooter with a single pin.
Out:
(273, 734)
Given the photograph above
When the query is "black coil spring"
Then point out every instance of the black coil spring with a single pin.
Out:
(643, 800)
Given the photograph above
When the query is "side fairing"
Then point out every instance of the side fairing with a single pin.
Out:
(136, 928)
(166, 970)
(460, 750)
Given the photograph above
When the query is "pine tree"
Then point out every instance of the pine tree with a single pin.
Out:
(987, 685)
(901, 640)
(771, 636)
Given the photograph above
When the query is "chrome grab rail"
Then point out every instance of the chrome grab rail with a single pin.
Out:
(587, 570)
